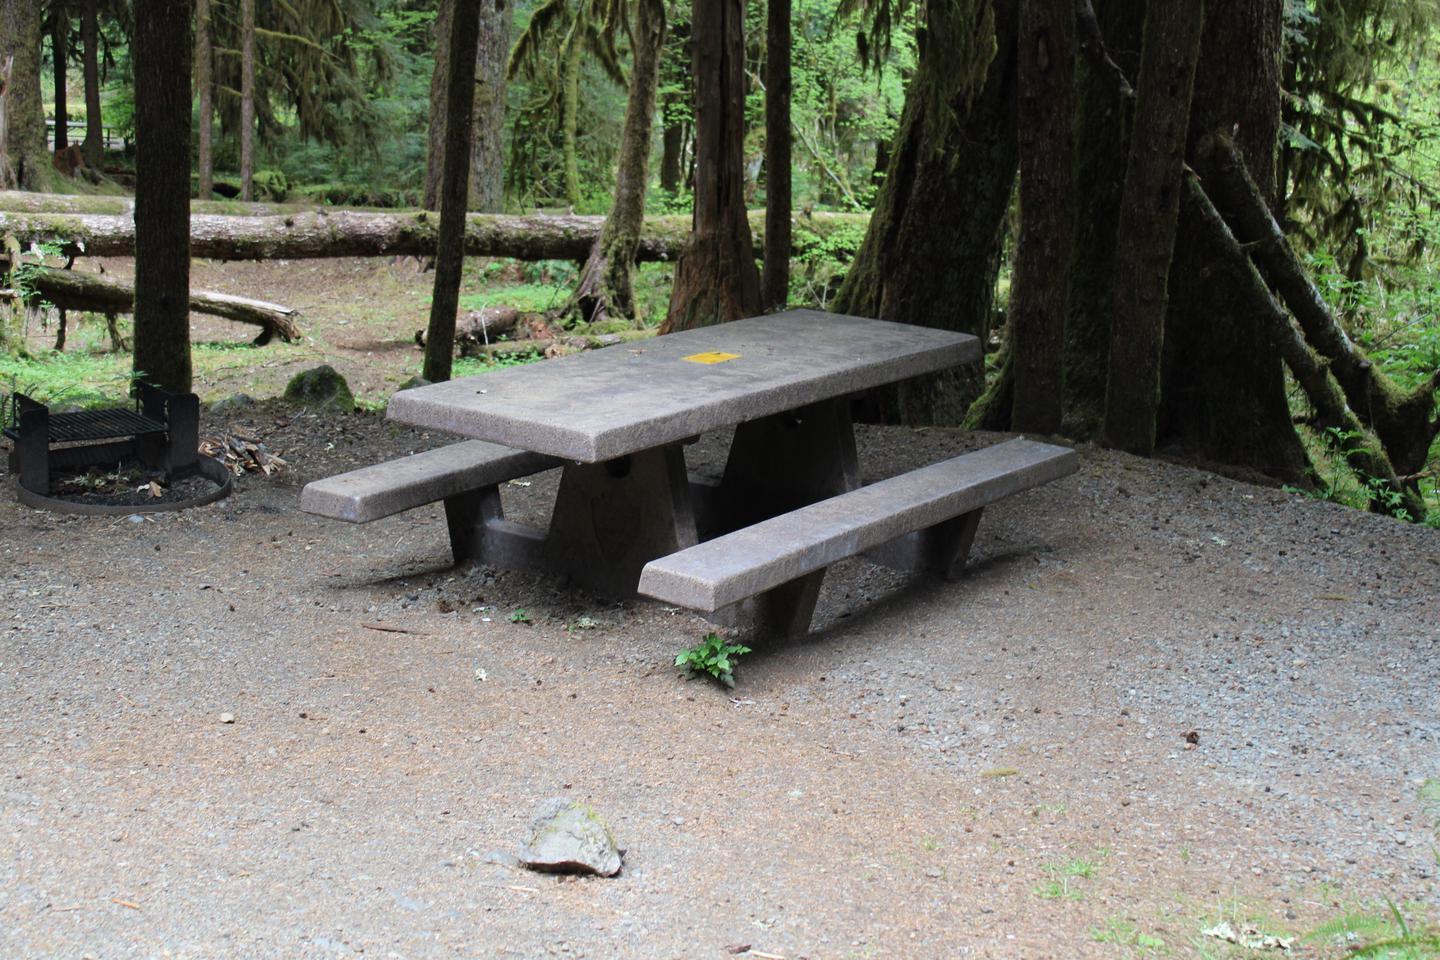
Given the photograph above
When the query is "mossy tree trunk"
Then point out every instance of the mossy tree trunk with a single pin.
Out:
(923, 262)
(435, 131)
(605, 289)
(1041, 282)
(162, 51)
(571, 68)
(716, 279)
(454, 187)
(25, 140)
(1149, 209)
(487, 138)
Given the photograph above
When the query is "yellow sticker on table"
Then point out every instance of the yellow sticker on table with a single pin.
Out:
(712, 356)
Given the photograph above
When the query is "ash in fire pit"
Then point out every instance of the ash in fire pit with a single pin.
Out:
(116, 460)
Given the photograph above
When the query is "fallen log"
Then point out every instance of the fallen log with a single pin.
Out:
(554, 346)
(26, 201)
(1363, 450)
(344, 233)
(75, 290)
(1401, 419)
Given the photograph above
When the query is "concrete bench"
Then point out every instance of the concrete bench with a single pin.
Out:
(924, 520)
(466, 476)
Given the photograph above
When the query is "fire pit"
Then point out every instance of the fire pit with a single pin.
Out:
(156, 443)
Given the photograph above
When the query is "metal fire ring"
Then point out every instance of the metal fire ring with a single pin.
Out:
(208, 467)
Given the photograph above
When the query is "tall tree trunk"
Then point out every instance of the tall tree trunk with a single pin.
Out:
(435, 131)
(204, 54)
(1149, 208)
(775, 281)
(1041, 282)
(1223, 397)
(94, 145)
(247, 100)
(955, 151)
(487, 150)
(716, 279)
(455, 183)
(25, 139)
(605, 284)
(60, 49)
(162, 49)
(1104, 117)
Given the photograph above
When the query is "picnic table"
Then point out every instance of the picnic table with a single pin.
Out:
(617, 421)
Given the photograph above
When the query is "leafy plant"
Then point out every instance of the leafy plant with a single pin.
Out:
(1385, 936)
(712, 657)
(520, 616)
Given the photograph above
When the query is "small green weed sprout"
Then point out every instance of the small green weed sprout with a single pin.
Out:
(1377, 935)
(520, 616)
(712, 657)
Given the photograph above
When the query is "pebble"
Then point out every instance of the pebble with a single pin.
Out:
(227, 718)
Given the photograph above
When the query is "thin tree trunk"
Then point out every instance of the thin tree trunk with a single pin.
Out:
(1041, 281)
(203, 65)
(672, 144)
(775, 281)
(716, 279)
(247, 100)
(162, 50)
(605, 288)
(1149, 208)
(326, 234)
(955, 151)
(94, 145)
(25, 137)
(455, 183)
(60, 49)
(435, 131)
(570, 69)
(487, 148)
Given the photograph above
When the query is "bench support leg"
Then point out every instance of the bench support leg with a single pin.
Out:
(941, 549)
(466, 517)
(612, 518)
(782, 611)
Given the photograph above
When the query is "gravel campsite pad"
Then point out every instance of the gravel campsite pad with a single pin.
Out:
(1165, 712)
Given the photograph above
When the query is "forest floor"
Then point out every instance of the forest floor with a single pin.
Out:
(1165, 710)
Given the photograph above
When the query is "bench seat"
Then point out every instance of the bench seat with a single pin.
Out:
(921, 520)
(465, 475)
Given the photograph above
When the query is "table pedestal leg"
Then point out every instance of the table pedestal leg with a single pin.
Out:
(612, 518)
(788, 460)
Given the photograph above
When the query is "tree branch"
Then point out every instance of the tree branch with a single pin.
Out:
(1092, 44)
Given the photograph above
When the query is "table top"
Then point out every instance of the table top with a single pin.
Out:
(604, 404)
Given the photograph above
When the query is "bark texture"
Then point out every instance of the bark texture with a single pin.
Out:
(487, 149)
(932, 251)
(775, 278)
(162, 49)
(324, 234)
(1223, 397)
(203, 63)
(435, 131)
(1149, 208)
(247, 100)
(605, 288)
(1104, 116)
(1041, 281)
(25, 139)
(716, 279)
(94, 145)
(454, 187)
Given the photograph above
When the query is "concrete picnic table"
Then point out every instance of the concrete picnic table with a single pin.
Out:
(619, 419)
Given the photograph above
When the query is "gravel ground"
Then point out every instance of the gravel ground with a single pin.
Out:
(1160, 700)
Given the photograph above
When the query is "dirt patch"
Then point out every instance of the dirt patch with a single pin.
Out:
(1160, 700)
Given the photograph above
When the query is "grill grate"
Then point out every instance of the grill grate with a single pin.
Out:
(101, 425)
